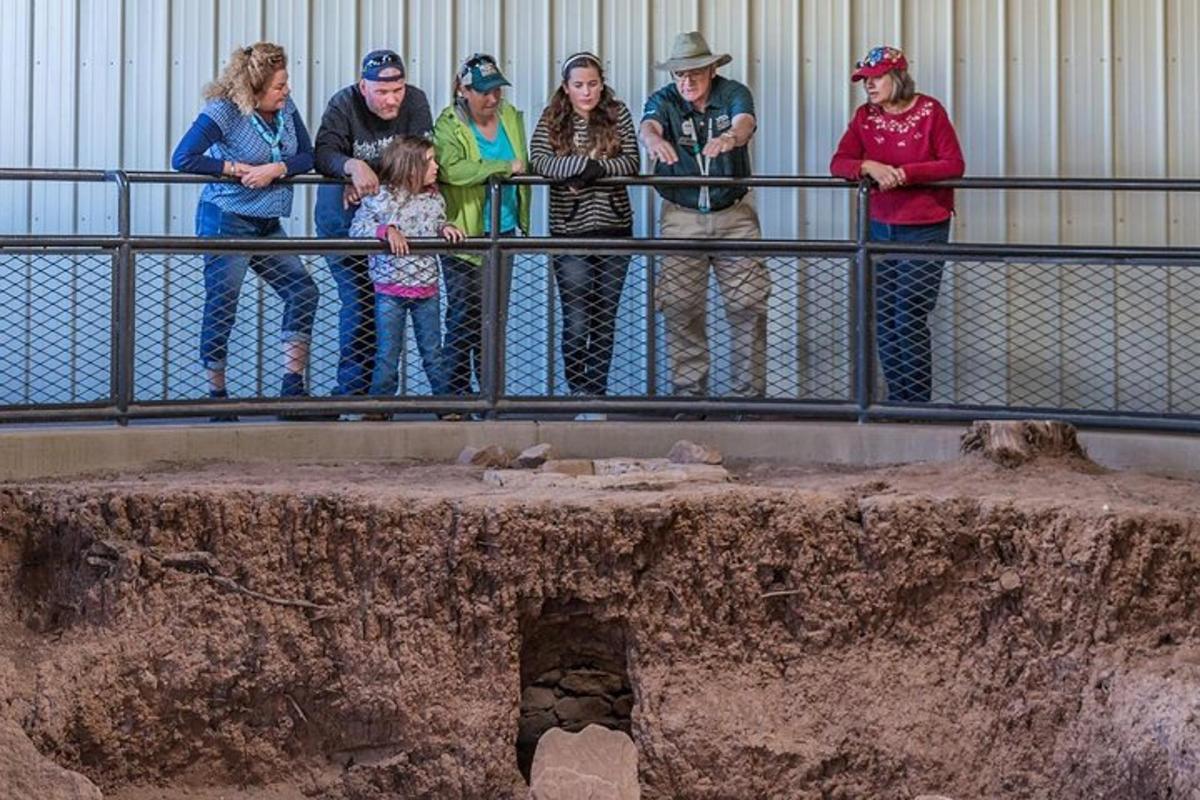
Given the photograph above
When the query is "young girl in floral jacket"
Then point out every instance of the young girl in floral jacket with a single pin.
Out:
(408, 204)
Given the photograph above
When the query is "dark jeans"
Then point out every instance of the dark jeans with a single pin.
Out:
(906, 292)
(390, 316)
(590, 290)
(356, 315)
(223, 276)
(462, 350)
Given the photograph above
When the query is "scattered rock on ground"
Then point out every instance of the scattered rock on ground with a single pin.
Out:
(25, 774)
(570, 466)
(594, 764)
(685, 452)
(1011, 443)
(492, 455)
(534, 457)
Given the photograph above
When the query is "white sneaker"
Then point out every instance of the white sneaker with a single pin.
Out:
(591, 416)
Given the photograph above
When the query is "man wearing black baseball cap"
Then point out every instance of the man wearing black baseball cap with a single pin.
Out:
(359, 123)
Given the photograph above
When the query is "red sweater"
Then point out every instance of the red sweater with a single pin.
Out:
(922, 141)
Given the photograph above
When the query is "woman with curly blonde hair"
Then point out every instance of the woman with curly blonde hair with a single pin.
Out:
(251, 131)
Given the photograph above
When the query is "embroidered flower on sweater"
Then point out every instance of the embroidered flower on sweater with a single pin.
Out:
(899, 125)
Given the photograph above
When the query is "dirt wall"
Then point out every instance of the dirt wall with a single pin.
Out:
(358, 632)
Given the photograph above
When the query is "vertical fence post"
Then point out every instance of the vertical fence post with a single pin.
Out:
(492, 378)
(121, 373)
(863, 330)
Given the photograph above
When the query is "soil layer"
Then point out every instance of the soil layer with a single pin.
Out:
(354, 631)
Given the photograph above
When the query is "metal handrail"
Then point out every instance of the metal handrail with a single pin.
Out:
(124, 246)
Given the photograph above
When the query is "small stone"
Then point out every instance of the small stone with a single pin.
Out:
(623, 705)
(685, 452)
(493, 455)
(585, 709)
(932, 797)
(537, 697)
(534, 457)
(591, 681)
(550, 678)
(569, 466)
(530, 727)
(1010, 581)
(594, 764)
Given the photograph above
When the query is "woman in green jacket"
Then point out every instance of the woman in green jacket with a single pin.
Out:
(479, 135)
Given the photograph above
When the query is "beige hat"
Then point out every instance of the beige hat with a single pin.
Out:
(690, 51)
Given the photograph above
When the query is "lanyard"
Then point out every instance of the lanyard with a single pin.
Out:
(704, 203)
(272, 138)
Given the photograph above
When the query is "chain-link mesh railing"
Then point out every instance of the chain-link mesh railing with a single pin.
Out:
(244, 312)
(584, 325)
(102, 326)
(1047, 335)
(56, 344)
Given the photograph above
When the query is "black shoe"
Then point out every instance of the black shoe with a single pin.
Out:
(690, 416)
(221, 394)
(292, 385)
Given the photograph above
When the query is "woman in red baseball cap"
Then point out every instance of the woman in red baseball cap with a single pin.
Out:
(901, 140)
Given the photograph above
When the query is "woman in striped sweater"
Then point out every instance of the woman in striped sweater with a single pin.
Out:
(585, 133)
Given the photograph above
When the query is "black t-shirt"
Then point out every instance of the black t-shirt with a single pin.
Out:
(349, 129)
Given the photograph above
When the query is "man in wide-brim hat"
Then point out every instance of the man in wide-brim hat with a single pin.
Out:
(701, 124)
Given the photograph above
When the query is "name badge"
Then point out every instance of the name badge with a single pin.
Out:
(687, 134)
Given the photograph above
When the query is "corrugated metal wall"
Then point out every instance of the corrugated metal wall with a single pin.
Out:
(1035, 87)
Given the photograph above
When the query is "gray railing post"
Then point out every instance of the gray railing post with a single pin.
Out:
(863, 332)
(121, 373)
(492, 375)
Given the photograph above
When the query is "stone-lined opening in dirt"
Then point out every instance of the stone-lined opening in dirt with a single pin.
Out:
(573, 673)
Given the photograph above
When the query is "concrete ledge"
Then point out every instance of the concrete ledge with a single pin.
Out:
(27, 453)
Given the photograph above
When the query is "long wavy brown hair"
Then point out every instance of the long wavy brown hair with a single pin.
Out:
(601, 122)
(248, 73)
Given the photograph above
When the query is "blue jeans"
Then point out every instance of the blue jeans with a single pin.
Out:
(463, 349)
(223, 276)
(356, 315)
(906, 292)
(390, 316)
(590, 290)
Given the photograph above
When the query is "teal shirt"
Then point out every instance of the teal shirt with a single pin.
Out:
(688, 130)
(499, 150)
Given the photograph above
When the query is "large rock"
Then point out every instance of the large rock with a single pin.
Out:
(1013, 443)
(533, 457)
(685, 452)
(27, 775)
(594, 764)
(493, 456)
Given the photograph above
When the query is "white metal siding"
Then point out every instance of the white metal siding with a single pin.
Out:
(1035, 87)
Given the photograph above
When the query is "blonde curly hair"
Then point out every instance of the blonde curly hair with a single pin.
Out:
(248, 73)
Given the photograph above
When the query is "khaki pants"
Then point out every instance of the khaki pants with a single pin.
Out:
(682, 293)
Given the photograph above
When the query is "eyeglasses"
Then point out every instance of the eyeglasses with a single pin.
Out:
(691, 75)
(387, 59)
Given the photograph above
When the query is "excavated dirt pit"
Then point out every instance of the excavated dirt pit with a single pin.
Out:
(371, 630)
